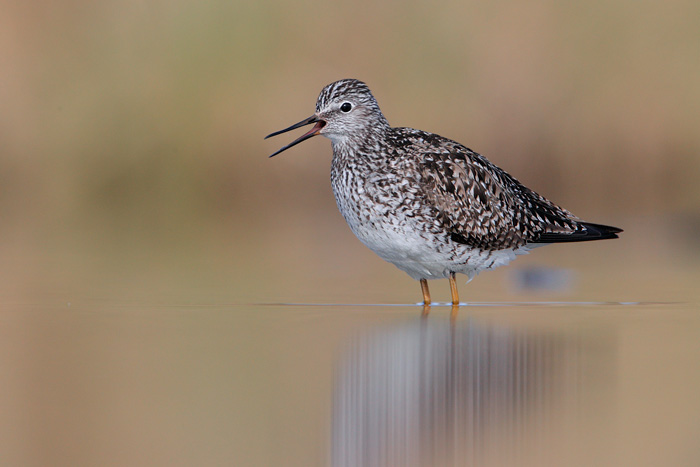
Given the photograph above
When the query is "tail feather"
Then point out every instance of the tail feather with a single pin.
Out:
(584, 232)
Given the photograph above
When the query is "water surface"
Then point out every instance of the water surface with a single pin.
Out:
(124, 383)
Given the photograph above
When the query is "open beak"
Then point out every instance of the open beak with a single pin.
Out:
(313, 132)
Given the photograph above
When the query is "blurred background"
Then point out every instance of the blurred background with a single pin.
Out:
(133, 162)
(140, 211)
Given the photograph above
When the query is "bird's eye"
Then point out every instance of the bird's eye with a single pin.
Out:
(346, 107)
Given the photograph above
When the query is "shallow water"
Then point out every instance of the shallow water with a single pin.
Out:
(552, 383)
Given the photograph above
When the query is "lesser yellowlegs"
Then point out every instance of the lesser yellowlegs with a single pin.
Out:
(429, 205)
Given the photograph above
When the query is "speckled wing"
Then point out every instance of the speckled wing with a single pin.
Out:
(482, 206)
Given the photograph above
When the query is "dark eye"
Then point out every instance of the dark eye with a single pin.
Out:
(346, 107)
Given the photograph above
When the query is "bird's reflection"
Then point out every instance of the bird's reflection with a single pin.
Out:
(465, 392)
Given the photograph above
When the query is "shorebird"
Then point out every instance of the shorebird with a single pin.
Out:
(427, 204)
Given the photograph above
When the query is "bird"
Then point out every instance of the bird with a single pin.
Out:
(427, 204)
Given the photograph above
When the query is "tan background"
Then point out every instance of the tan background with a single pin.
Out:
(132, 145)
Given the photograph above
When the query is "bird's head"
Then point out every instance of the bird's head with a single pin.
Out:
(345, 109)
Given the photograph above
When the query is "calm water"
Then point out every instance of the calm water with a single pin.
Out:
(256, 385)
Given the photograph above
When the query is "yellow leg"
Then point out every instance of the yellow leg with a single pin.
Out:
(426, 291)
(453, 289)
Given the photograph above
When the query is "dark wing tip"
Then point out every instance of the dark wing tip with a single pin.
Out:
(585, 232)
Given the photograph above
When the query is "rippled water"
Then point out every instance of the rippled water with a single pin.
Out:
(109, 383)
